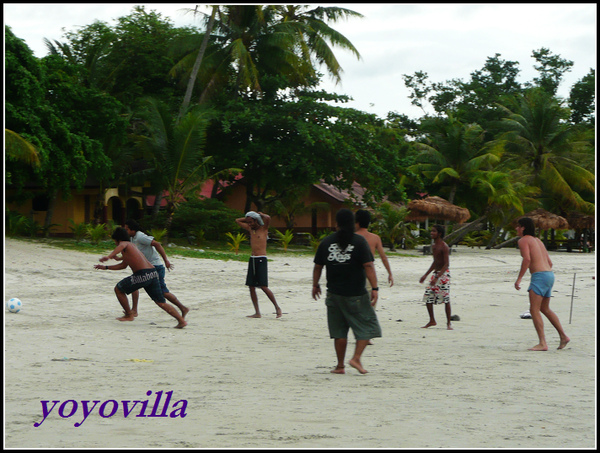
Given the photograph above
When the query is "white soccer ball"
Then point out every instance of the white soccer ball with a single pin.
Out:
(14, 305)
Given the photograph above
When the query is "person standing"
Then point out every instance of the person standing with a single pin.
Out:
(363, 220)
(153, 251)
(257, 224)
(144, 276)
(349, 263)
(438, 290)
(537, 260)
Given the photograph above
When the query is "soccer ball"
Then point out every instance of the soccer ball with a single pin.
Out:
(14, 305)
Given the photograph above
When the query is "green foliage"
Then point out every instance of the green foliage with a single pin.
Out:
(79, 230)
(285, 238)
(476, 239)
(236, 241)
(316, 240)
(212, 217)
(158, 234)
(392, 226)
(97, 233)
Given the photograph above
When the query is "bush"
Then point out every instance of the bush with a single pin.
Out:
(210, 216)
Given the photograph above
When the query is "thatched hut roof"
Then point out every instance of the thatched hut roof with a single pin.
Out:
(545, 220)
(436, 208)
(578, 221)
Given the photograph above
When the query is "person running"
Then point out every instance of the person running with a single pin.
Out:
(349, 263)
(257, 224)
(537, 260)
(153, 251)
(438, 290)
(144, 276)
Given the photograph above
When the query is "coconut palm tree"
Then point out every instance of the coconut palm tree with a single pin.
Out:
(542, 145)
(314, 35)
(252, 42)
(175, 150)
(20, 149)
(452, 152)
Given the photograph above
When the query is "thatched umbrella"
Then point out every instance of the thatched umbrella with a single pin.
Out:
(579, 221)
(436, 208)
(545, 220)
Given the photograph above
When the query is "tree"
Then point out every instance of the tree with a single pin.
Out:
(551, 69)
(541, 143)
(582, 100)
(295, 142)
(175, 150)
(259, 49)
(473, 101)
(44, 105)
(451, 154)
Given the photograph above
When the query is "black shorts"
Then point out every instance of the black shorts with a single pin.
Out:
(147, 279)
(257, 272)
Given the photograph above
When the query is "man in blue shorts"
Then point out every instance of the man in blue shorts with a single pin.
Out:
(349, 263)
(537, 260)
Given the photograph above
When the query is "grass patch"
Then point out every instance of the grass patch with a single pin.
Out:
(212, 250)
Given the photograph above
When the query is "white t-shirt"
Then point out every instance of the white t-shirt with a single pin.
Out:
(144, 242)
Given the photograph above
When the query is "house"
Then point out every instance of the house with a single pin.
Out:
(120, 203)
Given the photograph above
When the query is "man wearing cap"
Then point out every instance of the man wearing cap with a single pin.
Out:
(257, 223)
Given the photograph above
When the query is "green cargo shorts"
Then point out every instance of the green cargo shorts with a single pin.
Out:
(351, 312)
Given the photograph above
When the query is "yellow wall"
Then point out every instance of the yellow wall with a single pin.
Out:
(79, 208)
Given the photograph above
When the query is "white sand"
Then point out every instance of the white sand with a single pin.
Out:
(265, 383)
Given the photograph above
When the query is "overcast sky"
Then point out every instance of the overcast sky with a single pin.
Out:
(447, 41)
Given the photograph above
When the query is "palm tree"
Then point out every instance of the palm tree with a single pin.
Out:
(504, 199)
(176, 150)
(20, 149)
(313, 34)
(452, 153)
(251, 42)
(541, 143)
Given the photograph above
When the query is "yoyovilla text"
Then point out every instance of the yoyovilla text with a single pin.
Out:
(109, 408)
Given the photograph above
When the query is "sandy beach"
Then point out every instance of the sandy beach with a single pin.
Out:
(75, 377)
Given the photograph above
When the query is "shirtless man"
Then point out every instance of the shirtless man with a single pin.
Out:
(363, 219)
(144, 276)
(537, 260)
(257, 224)
(438, 290)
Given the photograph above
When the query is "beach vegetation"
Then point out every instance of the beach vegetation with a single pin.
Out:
(143, 103)
(285, 238)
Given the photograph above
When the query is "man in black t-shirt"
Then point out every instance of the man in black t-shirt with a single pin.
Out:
(348, 260)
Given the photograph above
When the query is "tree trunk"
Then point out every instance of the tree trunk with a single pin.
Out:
(192, 81)
(511, 241)
(456, 236)
(157, 202)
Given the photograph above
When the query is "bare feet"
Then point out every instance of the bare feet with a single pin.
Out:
(356, 364)
(539, 347)
(181, 325)
(338, 370)
(563, 343)
(184, 311)
(134, 313)
(257, 315)
(127, 317)
(429, 324)
(450, 327)
(278, 312)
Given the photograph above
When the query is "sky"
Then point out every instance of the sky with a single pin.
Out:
(447, 41)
